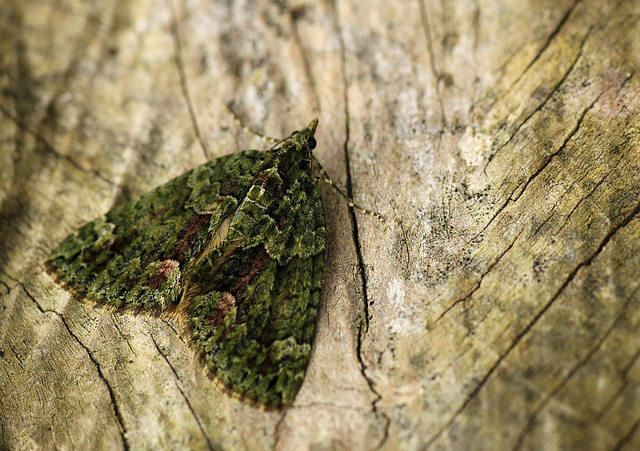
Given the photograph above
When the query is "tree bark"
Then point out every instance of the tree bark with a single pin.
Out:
(496, 308)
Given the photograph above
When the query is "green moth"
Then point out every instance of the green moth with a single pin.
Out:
(234, 249)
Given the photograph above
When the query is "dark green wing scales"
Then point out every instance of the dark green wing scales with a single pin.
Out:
(133, 258)
(253, 319)
(234, 248)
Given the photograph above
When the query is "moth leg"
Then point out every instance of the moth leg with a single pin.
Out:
(350, 202)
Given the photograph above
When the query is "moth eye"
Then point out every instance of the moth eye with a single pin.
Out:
(311, 143)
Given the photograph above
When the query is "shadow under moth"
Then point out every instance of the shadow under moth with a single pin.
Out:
(234, 249)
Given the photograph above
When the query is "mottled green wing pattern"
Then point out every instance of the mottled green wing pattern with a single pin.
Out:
(252, 317)
(234, 248)
(133, 258)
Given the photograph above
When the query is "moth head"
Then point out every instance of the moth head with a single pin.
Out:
(305, 137)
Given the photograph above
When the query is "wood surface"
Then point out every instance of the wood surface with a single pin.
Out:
(498, 307)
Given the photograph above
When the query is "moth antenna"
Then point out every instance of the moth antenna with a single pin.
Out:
(251, 131)
(350, 202)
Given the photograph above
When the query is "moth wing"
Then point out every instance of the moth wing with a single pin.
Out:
(134, 257)
(251, 306)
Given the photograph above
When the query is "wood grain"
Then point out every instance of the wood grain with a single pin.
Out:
(498, 308)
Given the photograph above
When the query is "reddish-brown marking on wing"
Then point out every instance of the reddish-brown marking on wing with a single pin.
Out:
(245, 280)
(188, 235)
(163, 272)
(225, 305)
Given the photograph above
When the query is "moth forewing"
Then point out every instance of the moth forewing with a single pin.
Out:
(234, 248)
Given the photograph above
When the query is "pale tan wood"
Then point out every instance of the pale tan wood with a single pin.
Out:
(498, 308)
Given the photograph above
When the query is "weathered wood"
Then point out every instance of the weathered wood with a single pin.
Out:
(498, 309)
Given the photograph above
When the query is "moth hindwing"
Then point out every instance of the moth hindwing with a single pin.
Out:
(233, 248)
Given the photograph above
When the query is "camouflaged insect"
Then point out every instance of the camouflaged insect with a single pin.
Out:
(234, 249)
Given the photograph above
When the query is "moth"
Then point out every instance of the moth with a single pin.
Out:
(234, 249)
